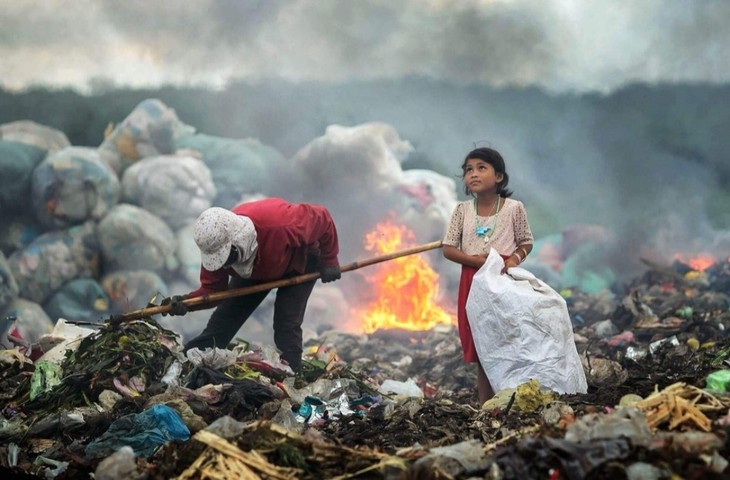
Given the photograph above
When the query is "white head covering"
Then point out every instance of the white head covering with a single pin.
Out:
(215, 230)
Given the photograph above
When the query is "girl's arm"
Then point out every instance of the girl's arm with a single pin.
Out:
(517, 257)
(455, 255)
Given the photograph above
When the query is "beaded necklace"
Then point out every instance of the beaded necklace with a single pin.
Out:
(487, 231)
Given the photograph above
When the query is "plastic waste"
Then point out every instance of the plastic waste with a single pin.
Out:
(216, 358)
(65, 336)
(636, 353)
(719, 381)
(226, 427)
(311, 410)
(409, 388)
(53, 468)
(120, 465)
(13, 454)
(654, 346)
(143, 432)
(46, 376)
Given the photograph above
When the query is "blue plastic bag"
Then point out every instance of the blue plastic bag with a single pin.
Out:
(143, 432)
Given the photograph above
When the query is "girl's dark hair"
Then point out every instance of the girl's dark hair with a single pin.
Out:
(493, 158)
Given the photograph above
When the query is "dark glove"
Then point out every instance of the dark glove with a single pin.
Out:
(117, 319)
(177, 308)
(329, 273)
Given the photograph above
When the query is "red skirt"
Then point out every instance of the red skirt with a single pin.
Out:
(467, 340)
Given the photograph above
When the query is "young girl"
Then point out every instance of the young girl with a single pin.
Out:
(489, 220)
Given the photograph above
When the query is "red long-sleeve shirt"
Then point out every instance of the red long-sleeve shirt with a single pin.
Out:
(286, 234)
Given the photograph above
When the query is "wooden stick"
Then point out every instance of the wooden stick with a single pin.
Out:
(286, 282)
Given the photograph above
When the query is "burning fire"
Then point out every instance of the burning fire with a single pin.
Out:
(405, 288)
(699, 263)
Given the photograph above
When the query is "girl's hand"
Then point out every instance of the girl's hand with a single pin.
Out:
(480, 259)
(509, 263)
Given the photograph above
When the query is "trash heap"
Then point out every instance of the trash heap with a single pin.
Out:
(88, 232)
(124, 402)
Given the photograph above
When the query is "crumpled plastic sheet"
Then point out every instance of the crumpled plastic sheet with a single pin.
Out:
(314, 408)
(131, 289)
(132, 238)
(325, 388)
(72, 186)
(150, 129)
(144, 432)
(216, 358)
(172, 376)
(32, 133)
(176, 188)
(238, 167)
(265, 359)
(55, 258)
(81, 299)
(17, 162)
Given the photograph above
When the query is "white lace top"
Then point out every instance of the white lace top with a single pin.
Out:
(508, 231)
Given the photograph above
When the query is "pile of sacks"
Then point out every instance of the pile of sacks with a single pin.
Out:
(89, 232)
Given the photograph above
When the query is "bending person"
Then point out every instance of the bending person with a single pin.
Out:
(259, 242)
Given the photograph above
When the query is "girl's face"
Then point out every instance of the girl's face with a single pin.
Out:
(480, 177)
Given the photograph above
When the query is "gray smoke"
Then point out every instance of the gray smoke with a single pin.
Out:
(554, 44)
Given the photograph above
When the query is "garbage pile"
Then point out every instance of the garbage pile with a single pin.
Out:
(88, 232)
(122, 401)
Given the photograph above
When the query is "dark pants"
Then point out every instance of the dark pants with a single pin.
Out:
(231, 314)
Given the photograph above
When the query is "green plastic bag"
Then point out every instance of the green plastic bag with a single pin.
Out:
(718, 381)
(46, 376)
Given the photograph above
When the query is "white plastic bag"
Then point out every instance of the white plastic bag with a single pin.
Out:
(522, 330)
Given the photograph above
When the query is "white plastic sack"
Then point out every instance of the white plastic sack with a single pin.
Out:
(176, 188)
(522, 330)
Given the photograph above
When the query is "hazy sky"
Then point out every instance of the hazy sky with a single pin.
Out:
(561, 45)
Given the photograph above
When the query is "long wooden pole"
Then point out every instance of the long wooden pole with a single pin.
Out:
(238, 292)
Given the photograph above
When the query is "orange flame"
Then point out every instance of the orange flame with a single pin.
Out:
(405, 288)
(699, 263)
